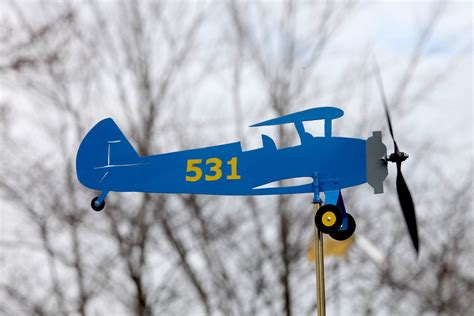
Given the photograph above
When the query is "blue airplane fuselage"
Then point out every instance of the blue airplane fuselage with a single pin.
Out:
(106, 161)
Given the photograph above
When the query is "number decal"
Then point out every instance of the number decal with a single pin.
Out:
(216, 169)
(233, 169)
(192, 168)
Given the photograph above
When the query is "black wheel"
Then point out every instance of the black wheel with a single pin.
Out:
(345, 234)
(97, 207)
(328, 218)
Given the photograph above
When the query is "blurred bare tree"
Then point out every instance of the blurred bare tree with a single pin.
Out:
(160, 69)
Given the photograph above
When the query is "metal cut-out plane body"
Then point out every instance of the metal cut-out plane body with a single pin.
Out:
(106, 162)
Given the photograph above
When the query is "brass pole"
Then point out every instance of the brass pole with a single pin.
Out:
(319, 263)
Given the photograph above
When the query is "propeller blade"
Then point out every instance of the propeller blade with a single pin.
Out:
(408, 208)
(404, 195)
(384, 102)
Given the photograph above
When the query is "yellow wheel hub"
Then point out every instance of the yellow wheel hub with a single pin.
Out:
(329, 219)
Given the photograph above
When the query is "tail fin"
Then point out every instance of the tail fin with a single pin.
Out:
(103, 147)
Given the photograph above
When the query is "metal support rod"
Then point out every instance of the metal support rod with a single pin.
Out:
(319, 263)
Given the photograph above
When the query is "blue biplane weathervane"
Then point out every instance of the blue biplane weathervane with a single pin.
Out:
(106, 161)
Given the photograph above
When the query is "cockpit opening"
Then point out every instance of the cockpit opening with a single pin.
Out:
(315, 128)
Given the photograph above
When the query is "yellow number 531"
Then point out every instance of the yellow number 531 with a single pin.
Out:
(194, 171)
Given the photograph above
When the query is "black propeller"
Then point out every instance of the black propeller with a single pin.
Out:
(404, 196)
